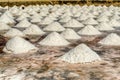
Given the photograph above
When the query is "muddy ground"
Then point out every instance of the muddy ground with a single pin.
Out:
(43, 65)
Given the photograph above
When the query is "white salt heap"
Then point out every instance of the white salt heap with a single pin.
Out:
(104, 26)
(8, 13)
(33, 30)
(6, 19)
(89, 30)
(55, 26)
(18, 45)
(82, 17)
(80, 54)
(23, 16)
(36, 20)
(46, 21)
(14, 32)
(4, 26)
(23, 24)
(102, 18)
(73, 24)
(54, 39)
(90, 21)
(114, 23)
(111, 40)
(65, 19)
(70, 34)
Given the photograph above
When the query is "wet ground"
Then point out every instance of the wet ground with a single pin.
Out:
(43, 65)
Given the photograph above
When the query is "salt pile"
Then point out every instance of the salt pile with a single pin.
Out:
(23, 16)
(90, 21)
(111, 40)
(8, 13)
(70, 34)
(73, 24)
(89, 30)
(46, 21)
(33, 30)
(36, 20)
(114, 23)
(54, 39)
(82, 17)
(55, 26)
(104, 26)
(14, 32)
(6, 19)
(18, 45)
(4, 26)
(23, 24)
(80, 54)
(65, 19)
(102, 18)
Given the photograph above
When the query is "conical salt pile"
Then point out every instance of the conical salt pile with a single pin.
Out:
(104, 26)
(73, 24)
(14, 32)
(18, 45)
(65, 19)
(80, 54)
(46, 21)
(82, 17)
(36, 20)
(70, 34)
(23, 24)
(89, 30)
(23, 16)
(6, 19)
(55, 26)
(33, 30)
(90, 21)
(103, 18)
(4, 26)
(114, 23)
(54, 39)
(8, 13)
(111, 40)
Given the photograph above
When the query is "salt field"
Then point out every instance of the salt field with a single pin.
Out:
(60, 42)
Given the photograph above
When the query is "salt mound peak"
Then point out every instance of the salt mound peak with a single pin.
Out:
(80, 54)
(82, 17)
(23, 16)
(36, 20)
(103, 19)
(18, 45)
(90, 21)
(6, 19)
(8, 13)
(55, 26)
(46, 21)
(54, 39)
(114, 23)
(111, 40)
(89, 30)
(14, 32)
(23, 24)
(70, 34)
(4, 26)
(104, 26)
(33, 30)
(73, 24)
(65, 19)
